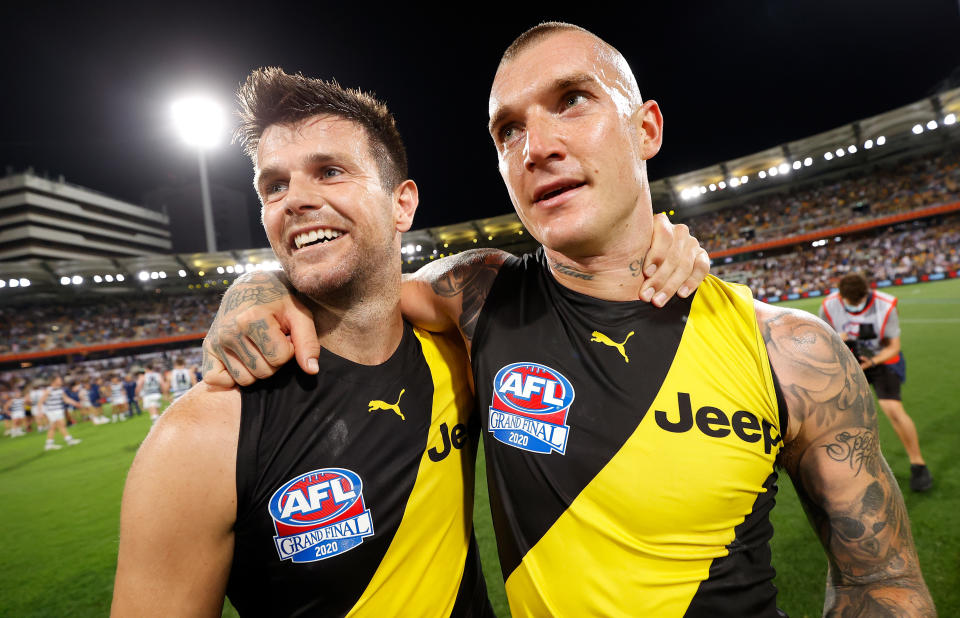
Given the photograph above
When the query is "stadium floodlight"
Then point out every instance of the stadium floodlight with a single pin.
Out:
(409, 248)
(3, 284)
(419, 248)
(797, 165)
(163, 274)
(14, 283)
(867, 145)
(851, 148)
(24, 282)
(744, 179)
(64, 280)
(685, 194)
(76, 280)
(713, 186)
(154, 275)
(932, 125)
(703, 189)
(119, 277)
(773, 171)
(202, 124)
(144, 275)
(828, 156)
(950, 119)
(230, 269)
(721, 185)
(808, 162)
(917, 129)
(108, 278)
(881, 140)
(784, 168)
(839, 152)
(219, 270)
(97, 278)
(182, 273)
(734, 182)
(761, 174)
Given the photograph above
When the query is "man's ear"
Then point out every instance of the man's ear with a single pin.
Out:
(405, 199)
(649, 125)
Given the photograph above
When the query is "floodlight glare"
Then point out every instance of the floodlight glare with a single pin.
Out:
(77, 280)
(97, 278)
(108, 278)
(199, 121)
(163, 274)
(14, 283)
(783, 168)
(773, 171)
(64, 280)
(119, 277)
(24, 283)
(808, 162)
(219, 270)
(797, 165)
(840, 152)
(154, 275)
(761, 174)
(229, 269)
(734, 182)
(828, 155)
(702, 189)
(743, 180)
(932, 125)
(881, 140)
(3, 284)
(419, 248)
(722, 185)
(144, 275)
(851, 149)
(713, 186)
(950, 119)
(182, 273)
(917, 129)
(867, 145)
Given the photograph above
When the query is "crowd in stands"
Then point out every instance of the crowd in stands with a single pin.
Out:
(887, 190)
(59, 326)
(905, 251)
(910, 249)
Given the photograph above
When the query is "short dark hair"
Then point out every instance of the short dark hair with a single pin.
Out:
(538, 32)
(854, 287)
(271, 96)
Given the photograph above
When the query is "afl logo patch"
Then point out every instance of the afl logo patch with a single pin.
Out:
(529, 408)
(319, 514)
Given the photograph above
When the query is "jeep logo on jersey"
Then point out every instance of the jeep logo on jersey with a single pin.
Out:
(529, 408)
(320, 514)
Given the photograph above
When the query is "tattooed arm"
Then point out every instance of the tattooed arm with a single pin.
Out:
(832, 453)
(260, 325)
(448, 294)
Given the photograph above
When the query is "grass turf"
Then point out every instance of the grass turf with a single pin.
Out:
(60, 510)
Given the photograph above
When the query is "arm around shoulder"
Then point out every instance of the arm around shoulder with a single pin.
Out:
(179, 507)
(832, 453)
(449, 293)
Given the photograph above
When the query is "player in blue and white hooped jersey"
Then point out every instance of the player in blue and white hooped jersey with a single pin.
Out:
(150, 388)
(180, 379)
(53, 402)
(118, 399)
(15, 408)
(34, 396)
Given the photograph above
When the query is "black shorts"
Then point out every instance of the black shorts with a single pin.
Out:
(885, 381)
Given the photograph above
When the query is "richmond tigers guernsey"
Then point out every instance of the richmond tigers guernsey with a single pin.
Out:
(630, 450)
(355, 489)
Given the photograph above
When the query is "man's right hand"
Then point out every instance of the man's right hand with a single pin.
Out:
(260, 325)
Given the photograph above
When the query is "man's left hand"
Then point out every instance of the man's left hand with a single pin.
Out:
(674, 264)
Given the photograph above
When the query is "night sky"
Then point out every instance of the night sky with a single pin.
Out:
(87, 90)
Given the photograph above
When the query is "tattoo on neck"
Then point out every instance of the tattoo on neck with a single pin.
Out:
(570, 271)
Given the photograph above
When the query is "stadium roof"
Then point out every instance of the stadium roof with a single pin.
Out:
(928, 123)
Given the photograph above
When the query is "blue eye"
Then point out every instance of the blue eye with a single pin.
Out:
(331, 172)
(574, 99)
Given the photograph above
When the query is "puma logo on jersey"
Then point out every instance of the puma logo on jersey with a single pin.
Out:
(599, 337)
(377, 404)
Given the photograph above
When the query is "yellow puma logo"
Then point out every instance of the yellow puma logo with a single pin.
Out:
(377, 404)
(599, 337)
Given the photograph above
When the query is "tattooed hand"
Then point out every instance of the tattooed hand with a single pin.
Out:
(833, 456)
(258, 328)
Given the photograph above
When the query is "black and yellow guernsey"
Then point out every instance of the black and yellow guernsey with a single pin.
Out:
(355, 489)
(630, 450)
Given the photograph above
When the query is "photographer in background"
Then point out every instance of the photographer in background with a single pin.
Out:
(868, 323)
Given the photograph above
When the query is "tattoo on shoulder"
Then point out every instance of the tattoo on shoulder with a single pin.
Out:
(471, 280)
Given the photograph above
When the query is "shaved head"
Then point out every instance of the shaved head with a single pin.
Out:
(624, 77)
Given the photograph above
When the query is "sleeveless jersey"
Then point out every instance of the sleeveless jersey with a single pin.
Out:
(54, 403)
(630, 450)
(179, 382)
(871, 326)
(355, 489)
(118, 395)
(151, 384)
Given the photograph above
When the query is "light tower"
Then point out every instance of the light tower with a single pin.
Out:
(200, 122)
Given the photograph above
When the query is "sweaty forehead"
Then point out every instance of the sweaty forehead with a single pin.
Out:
(558, 56)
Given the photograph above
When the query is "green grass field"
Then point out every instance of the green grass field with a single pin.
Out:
(59, 511)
